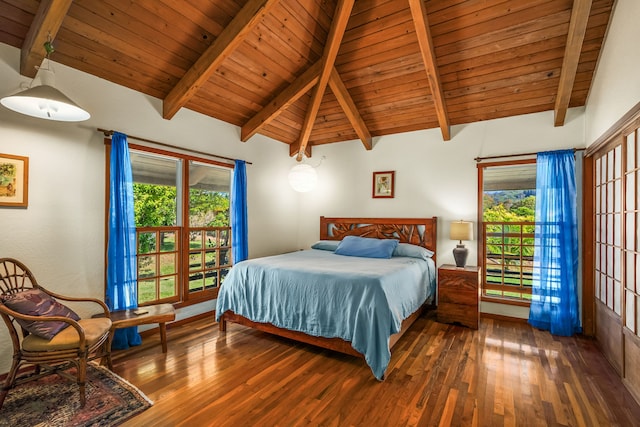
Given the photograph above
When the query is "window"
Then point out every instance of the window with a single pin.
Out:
(182, 226)
(507, 229)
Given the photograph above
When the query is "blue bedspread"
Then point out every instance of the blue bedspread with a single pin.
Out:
(361, 300)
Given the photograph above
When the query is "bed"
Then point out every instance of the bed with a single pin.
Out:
(355, 305)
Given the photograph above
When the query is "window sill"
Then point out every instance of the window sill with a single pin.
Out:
(506, 301)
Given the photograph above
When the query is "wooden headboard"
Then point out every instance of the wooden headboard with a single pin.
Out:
(417, 231)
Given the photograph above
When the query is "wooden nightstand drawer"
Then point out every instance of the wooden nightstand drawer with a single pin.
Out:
(458, 295)
(454, 296)
(458, 313)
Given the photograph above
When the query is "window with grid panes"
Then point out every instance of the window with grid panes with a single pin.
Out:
(182, 226)
(507, 191)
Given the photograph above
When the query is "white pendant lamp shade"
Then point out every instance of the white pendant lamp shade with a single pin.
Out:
(303, 178)
(45, 102)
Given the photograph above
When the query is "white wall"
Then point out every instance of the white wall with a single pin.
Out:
(60, 235)
(616, 85)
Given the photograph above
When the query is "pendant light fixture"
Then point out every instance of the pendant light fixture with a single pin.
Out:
(45, 101)
(303, 177)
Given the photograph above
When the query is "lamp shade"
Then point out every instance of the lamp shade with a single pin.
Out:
(45, 102)
(461, 230)
(303, 178)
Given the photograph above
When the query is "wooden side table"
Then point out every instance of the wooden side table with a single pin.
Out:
(458, 295)
(160, 313)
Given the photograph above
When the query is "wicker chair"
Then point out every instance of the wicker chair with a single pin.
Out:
(79, 342)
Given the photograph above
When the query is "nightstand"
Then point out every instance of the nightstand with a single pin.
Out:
(458, 295)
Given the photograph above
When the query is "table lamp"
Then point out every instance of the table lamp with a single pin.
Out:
(461, 230)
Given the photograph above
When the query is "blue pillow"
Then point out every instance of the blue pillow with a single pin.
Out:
(326, 245)
(412, 251)
(366, 247)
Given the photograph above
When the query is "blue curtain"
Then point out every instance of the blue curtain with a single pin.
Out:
(121, 250)
(239, 221)
(554, 303)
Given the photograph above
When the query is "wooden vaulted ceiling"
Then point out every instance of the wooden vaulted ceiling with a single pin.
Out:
(310, 72)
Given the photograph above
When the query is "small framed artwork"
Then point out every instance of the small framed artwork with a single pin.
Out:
(383, 184)
(14, 180)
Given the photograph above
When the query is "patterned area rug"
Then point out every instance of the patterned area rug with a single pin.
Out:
(55, 401)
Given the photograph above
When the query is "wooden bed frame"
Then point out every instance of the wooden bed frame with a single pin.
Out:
(417, 231)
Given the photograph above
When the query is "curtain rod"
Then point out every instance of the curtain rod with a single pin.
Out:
(479, 159)
(110, 132)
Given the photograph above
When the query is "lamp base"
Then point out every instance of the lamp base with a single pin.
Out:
(460, 254)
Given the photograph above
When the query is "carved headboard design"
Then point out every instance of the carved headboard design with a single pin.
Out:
(417, 231)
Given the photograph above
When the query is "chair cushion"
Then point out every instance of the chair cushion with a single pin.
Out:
(35, 302)
(94, 330)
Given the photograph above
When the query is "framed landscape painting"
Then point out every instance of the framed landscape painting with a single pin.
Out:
(383, 184)
(14, 180)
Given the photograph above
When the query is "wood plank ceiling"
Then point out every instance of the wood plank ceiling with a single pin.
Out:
(310, 72)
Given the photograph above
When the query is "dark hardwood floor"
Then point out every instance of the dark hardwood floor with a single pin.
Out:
(505, 373)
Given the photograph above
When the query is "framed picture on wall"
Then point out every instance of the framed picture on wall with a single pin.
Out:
(383, 184)
(14, 180)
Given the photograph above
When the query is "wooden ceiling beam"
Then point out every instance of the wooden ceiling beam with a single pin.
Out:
(351, 111)
(334, 39)
(44, 27)
(421, 22)
(280, 103)
(223, 46)
(577, 29)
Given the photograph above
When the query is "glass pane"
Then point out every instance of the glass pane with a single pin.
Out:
(630, 318)
(638, 273)
(168, 264)
(168, 287)
(598, 177)
(618, 195)
(637, 150)
(224, 238)
(195, 239)
(212, 238)
(597, 283)
(146, 242)
(631, 151)
(603, 288)
(630, 269)
(597, 200)
(196, 282)
(211, 279)
(630, 231)
(630, 191)
(209, 188)
(617, 297)
(146, 266)
(211, 259)
(167, 241)
(637, 245)
(224, 257)
(610, 292)
(618, 161)
(610, 229)
(637, 314)
(195, 261)
(146, 291)
(610, 166)
(617, 230)
(617, 264)
(154, 189)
